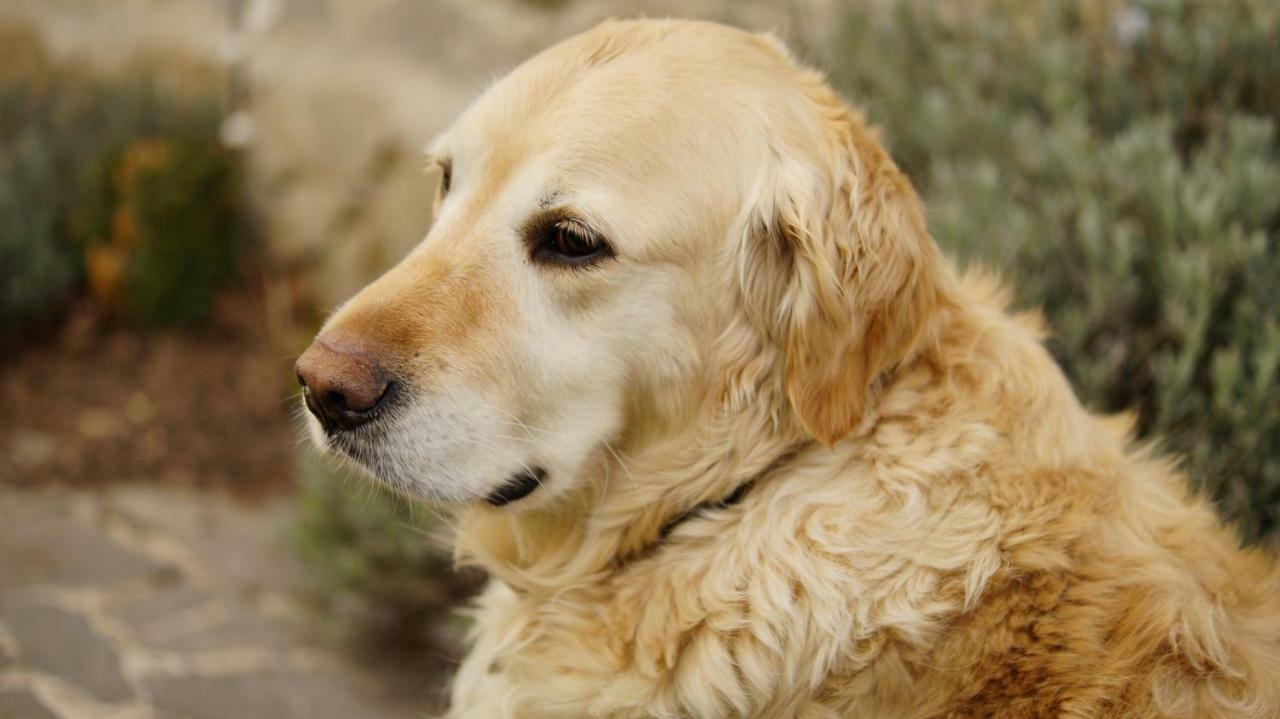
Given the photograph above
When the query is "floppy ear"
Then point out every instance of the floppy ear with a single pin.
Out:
(839, 270)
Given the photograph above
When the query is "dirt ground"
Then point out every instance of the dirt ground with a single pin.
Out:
(95, 403)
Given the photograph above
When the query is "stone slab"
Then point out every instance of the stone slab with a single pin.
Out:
(189, 619)
(21, 704)
(57, 642)
(45, 539)
(279, 697)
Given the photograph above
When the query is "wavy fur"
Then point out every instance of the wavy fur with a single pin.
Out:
(951, 533)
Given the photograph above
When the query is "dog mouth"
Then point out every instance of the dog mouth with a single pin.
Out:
(521, 485)
(364, 446)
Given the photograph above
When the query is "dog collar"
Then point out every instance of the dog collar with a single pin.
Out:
(702, 507)
(729, 500)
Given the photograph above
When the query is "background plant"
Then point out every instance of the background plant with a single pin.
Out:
(377, 557)
(121, 177)
(1118, 163)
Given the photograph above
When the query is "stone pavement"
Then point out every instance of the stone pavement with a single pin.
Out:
(141, 603)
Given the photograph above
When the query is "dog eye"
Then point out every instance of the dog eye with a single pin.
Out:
(569, 242)
(446, 176)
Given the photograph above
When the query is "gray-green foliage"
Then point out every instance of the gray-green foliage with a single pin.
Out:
(1118, 164)
(363, 542)
(62, 129)
(166, 209)
(38, 267)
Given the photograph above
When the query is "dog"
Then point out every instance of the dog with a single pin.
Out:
(732, 438)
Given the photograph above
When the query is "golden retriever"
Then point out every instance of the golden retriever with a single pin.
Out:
(733, 439)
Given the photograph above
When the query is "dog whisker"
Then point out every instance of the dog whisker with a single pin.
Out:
(490, 445)
(623, 465)
(514, 419)
(526, 440)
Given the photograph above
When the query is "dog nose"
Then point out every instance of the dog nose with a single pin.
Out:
(342, 380)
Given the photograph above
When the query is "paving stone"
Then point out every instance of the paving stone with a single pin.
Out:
(58, 642)
(243, 543)
(44, 541)
(186, 618)
(280, 697)
(236, 591)
(22, 704)
(181, 597)
(7, 652)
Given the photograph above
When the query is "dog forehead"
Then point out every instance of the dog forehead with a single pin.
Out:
(622, 120)
(624, 84)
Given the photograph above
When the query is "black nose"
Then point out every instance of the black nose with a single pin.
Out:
(343, 383)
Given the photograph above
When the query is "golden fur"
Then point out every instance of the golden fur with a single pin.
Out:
(938, 528)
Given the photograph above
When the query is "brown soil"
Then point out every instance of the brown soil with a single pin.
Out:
(99, 403)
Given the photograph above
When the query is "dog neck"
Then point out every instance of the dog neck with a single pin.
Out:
(591, 534)
(726, 502)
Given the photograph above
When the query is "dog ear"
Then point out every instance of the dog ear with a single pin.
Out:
(839, 270)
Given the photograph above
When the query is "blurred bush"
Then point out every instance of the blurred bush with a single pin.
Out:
(116, 172)
(1118, 164)
(159, 242)
(373, 554)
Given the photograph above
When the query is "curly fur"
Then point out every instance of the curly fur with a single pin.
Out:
(973, 544)
(949, 534)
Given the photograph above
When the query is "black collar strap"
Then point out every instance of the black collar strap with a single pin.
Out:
(711, 504)
(727, 501)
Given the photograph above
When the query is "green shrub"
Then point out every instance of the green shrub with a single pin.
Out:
(38, 268)
(1118, 163)
(64, 131)
(371, 549)
(161, 238)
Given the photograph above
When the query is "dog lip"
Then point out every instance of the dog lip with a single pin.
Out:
(518, 487)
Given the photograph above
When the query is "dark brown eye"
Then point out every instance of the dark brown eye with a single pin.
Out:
(446, 176)
(569, 242)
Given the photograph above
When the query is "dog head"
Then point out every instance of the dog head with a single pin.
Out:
(611, 216)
